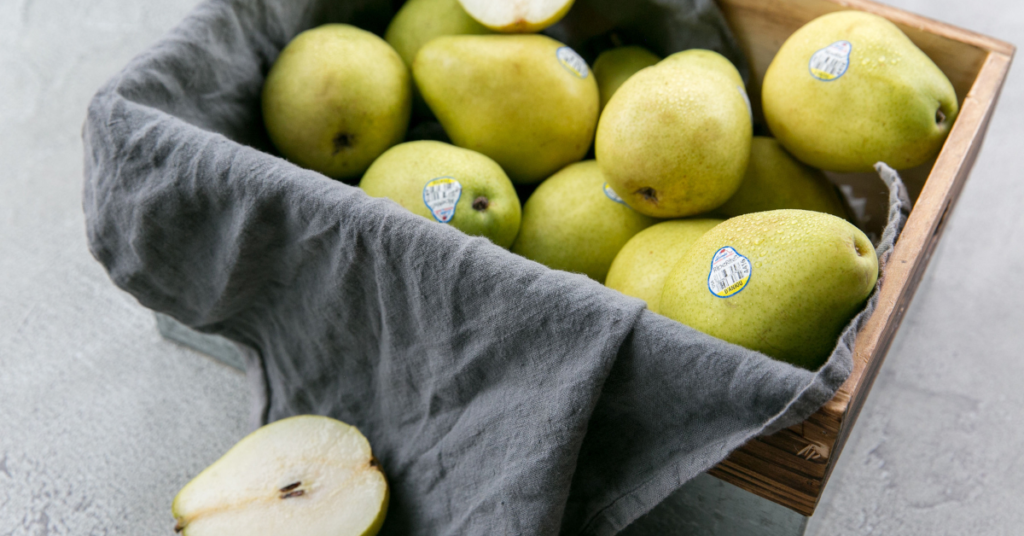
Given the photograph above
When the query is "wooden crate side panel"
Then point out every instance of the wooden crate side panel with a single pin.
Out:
(925, 227)
(772, 467)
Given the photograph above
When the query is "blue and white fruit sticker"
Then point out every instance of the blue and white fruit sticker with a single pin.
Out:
(441, 195)
(572, 61)
(831, 62)
(611, 194)
(730, 273)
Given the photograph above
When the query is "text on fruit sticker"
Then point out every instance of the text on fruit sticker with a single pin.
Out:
(831, 62)
(441, 195)
(572, 61)
(611, 194)
(730, 273)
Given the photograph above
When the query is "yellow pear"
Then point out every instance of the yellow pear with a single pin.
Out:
(420, 21)
(574, 222)
(641, 266)
(782, 282)
(675, 138)
(616, 65)
(849, 89)
(775, 180)
(335, 99)
(449, 185)
(527, 101)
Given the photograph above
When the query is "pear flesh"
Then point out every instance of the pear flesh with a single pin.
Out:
(775, 180)
(517, 16)
(614, 66)
(782, 282)
(449, 185)
(675, 138)
(640, 268)
(527, 101)
(850, 89)
(301, 476)
(574, 222)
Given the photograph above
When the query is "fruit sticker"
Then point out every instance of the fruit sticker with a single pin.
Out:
(441, 195)
(572, 61)
(831, 62)
(730, 273)
(612, 195)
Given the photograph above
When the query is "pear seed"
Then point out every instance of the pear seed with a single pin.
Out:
(290, 487)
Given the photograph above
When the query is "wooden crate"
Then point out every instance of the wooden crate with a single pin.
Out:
(792, 466)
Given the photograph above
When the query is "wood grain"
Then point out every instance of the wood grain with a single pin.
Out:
(792, 466)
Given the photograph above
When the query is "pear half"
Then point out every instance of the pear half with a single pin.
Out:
(517, 16)
(305, 475)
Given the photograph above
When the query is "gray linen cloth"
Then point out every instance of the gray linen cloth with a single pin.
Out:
(501, 397)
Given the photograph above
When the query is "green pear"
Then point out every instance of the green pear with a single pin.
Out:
(575, 222)
(783, 282)
(616, 65)
(640, 268)
(420, 21)
(517, 16)
(675, 138)
(527, 101)
(775, 180)
(450, 185)
(849, 89)
(335, 99)
(306, 475)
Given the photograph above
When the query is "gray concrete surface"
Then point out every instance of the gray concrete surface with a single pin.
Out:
(101, 421)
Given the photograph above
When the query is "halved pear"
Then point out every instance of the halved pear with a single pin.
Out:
(306, 475)
(517, 16)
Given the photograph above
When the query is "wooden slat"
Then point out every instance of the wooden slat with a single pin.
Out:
(792, 466)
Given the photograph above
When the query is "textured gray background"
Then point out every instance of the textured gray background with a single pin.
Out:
(101, 421)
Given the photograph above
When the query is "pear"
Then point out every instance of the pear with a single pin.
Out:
(527, 101)
(675, 138)
(449, 185)
(616, 65)
(775, 180)
(849, 89)
(335, 99)
(641, 266)
(574, 222)
(517, 16)
(307, 475)
(420, 21)
(711, 60)
(783, 282)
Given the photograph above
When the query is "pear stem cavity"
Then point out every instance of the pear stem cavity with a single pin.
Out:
(481, 203)
(940, 117)
(649, 194)
(343, 141)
